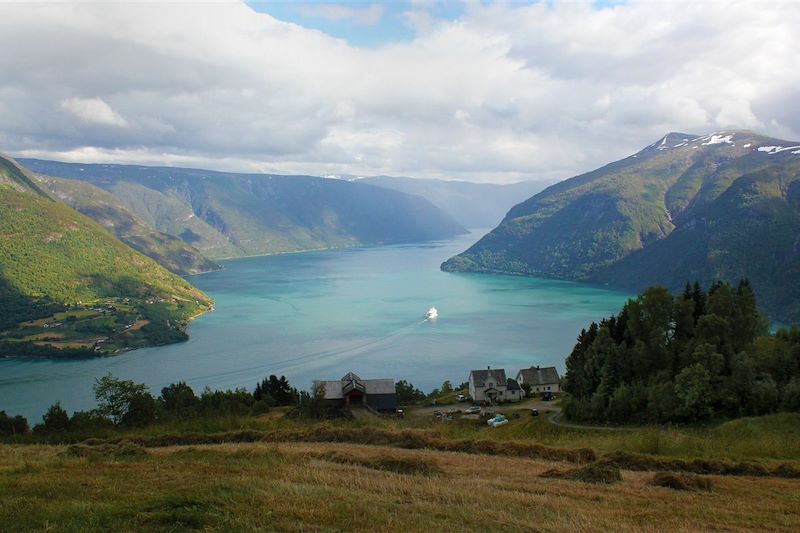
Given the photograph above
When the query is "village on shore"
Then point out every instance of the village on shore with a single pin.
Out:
(489, 387)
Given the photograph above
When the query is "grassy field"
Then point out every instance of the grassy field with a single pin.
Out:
(271, 473)
(345, 487)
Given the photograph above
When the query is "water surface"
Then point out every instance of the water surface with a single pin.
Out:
(318, 315)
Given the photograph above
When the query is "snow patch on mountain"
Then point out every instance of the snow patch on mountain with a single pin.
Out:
(719, 139)
(772, 150)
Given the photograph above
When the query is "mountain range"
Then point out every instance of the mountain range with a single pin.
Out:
(721, 206)
(86, 250)
(227, 215)
(473, 205)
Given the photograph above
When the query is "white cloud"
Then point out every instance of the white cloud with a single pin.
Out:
(505, 92)
(93, 111)
(364, 16)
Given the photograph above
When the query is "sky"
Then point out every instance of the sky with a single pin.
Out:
(478, 91)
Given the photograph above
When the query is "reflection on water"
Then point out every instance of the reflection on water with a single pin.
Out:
(321, 314)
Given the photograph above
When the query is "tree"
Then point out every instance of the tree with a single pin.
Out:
(88, 421)
(55, 420)
(9, 426)
(275, 391)
(141, 410)
(683, 359)
(407, 393)
(114, 396)
(315, 406)
(791, 395)
(692, 387)
(447, 387)
(178, 397)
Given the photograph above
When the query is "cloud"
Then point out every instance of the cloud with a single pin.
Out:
(501, 93)
(363, 16)
(93, 110)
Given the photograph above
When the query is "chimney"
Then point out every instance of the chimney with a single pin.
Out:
(537, 367)
(488, 367)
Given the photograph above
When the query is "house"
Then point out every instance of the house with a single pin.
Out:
(378, 394)
(540, 379)
(514, 392)
(493, 386)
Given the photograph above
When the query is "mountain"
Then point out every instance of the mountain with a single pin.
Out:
(67, 286)
(473, 205)
(721, 206)
(230, 215)
(107, 210)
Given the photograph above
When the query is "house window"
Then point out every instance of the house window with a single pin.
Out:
(548, 387)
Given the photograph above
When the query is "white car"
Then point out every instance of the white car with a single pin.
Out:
(474, 410)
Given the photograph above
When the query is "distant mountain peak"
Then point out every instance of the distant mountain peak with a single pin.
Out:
(719, 206)
(743, 140)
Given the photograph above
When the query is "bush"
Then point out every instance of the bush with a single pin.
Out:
(89, 421)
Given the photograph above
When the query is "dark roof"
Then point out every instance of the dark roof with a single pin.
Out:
(479, 377)
(512, 385)
(335, 390)
(539, 376)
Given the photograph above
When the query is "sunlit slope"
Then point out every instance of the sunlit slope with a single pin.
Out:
(107, 210)
(54, 259)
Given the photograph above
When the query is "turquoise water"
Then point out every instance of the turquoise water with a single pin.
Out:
(318, 315)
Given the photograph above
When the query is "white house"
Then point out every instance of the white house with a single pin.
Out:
(492, 386)
(540, 379)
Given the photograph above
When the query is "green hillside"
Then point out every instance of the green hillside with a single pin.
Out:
(66, 283)
(15, 177)
(229, 215)
(107, 210)
(721, 206)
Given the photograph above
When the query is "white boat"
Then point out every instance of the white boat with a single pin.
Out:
(431, 314)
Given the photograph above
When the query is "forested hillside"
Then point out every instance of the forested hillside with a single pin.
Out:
(229, 215)
(723, 206)
(683, 359)
(68, 286)
(107, 210)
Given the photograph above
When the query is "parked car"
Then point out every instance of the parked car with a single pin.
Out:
(461, 398)
(474, 410)
(534, 412)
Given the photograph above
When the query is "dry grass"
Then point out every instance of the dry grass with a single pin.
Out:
(674, 481)
(599, 472)
(432, 440)
(322, 486)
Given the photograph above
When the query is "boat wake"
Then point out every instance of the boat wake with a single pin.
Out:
(305, 359)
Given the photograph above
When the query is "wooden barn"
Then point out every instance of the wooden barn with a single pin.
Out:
(379, 394)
